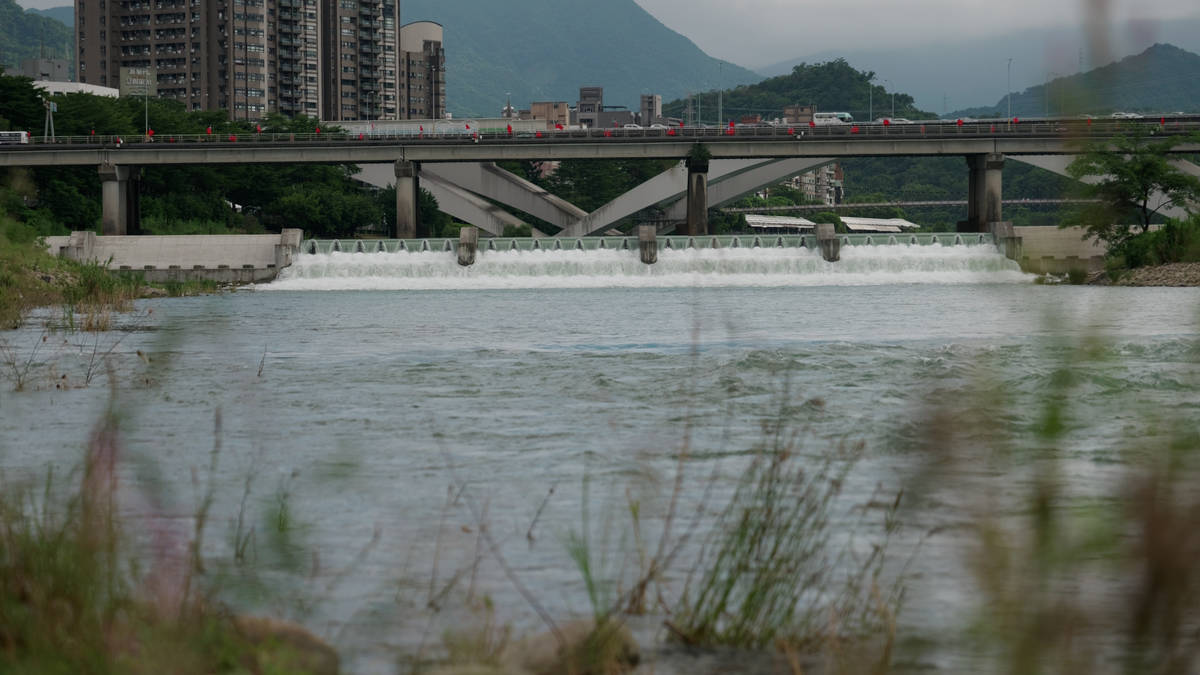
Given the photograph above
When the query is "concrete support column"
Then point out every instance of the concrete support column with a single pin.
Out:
(115, 202)
(828, 242)
(408, 190)
(648, 244)
(697, 198)
(985, 192)
(468, 245)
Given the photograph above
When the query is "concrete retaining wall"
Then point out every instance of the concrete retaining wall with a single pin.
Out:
(1052, 250)
(227, 258)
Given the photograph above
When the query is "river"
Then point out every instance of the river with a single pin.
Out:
(399, 393)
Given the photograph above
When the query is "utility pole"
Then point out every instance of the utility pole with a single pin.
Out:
(720, 92)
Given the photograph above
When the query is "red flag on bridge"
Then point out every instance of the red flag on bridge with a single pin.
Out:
(258, 128)
(670, 132)
(318, 130)
(360, 137)
(959, 122)
(791, 131)
(208, 131)
(468, 127)
(812, 123)
(558, 126)
(854, 129)
(538, 134)
(150, 132)
(607, 133)
(1016, 120)
(232, 138)
(509, 129)
(1162, 121)
(887, 122)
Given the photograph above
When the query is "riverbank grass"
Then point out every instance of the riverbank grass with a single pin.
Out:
(30, 277)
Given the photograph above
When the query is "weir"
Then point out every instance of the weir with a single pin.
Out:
(631, 243)
(679, 261)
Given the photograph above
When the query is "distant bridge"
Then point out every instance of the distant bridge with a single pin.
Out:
(849, 206)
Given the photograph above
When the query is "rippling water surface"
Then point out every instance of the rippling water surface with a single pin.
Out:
(366, 387)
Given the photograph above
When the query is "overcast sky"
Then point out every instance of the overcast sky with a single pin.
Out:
(755, 33)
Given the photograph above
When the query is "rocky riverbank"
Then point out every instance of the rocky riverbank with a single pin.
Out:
(1172, 274)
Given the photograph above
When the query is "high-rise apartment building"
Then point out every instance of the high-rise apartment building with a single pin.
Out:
(358, 59)
(333, 59)
(422, 70)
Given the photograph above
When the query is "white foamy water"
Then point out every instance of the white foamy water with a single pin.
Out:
(742, 267)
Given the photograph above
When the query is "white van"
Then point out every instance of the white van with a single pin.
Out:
(832, 118)
(14, 137)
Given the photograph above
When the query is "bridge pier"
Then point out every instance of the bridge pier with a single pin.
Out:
(468, 245)
(408, 191)
(828, 242)
(648, 244)
(697, 198)
(120, 201)
(984, 192)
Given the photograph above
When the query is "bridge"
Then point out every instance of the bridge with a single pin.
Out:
(740, 159)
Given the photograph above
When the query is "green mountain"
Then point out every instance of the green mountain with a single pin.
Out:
(831, 86)
(1161, 79)
(64, 14)
(25, 35)
(545, 50)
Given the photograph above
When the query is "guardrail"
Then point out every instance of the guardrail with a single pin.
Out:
(1054, 128)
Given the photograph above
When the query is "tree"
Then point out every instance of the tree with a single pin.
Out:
(1133, 180)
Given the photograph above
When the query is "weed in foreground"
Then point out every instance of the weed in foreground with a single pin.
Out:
(74, 598)
(1073, 583)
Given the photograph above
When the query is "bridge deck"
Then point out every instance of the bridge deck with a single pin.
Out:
(1037, 138)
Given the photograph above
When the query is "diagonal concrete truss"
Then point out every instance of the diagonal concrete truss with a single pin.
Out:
(1058, 164)
(452, 199)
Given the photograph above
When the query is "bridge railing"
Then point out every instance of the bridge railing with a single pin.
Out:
(630, 243)
(1052, 128)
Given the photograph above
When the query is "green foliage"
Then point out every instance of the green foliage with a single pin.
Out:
(1133, 180)
(1173, 242)
(20, 105)
(831, 86)
(523, 230)
(828, 217)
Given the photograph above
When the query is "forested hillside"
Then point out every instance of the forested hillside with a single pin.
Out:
(1161, 79)
(831, 86)
(27, 35)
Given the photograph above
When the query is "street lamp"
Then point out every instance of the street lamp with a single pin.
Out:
(870, 99)
(888, 85)
(1009, 94)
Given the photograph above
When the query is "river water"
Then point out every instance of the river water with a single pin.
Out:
(400, 395)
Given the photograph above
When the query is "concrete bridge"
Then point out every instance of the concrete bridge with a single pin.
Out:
(740, 160)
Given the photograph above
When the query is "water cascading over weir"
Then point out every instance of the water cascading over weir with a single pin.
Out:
(598, 262)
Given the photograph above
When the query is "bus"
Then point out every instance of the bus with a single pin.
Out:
(14, 137)
(832, 118)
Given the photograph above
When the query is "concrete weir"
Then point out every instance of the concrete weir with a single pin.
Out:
(230, 258)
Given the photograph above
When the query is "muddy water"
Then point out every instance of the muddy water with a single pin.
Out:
(422, 415)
